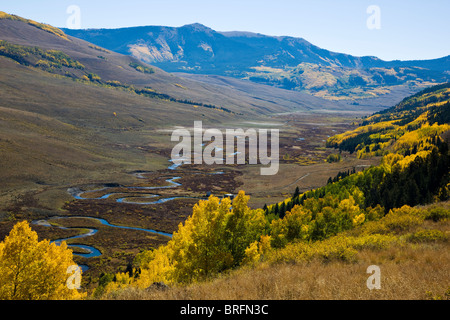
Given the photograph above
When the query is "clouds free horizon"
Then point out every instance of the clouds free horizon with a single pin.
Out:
(389, 30)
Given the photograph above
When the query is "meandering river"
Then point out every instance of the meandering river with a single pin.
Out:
(79, 194)
(83, 195)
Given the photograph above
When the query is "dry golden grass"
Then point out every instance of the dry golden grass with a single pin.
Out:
(411, 273)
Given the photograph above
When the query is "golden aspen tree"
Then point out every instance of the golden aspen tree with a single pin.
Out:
(244, 226)
(252, 255)
(214, 238)
(156, 267)
(32, 269)
(199, 247)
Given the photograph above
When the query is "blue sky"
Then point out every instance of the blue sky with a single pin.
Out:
(409, 29)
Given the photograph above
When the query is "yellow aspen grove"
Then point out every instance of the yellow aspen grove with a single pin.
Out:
(213, 239)
(32, 269)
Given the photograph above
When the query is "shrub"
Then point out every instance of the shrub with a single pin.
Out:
(374, 241)
(428, 236)
(333, 158)
(94, 77)
(43, 64)
(403, 219)
(335, 248)
(437, 214)
(114, 83)
(373, 227)
(141, 68)
(252, 255)
(401, 223)
(373, 214)
(342, 248)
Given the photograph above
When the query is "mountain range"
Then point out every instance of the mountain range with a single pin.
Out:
(286, 62)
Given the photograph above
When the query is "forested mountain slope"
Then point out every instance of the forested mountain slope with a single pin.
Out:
(412, 137)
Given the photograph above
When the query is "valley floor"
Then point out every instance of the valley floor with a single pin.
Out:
(302, 163)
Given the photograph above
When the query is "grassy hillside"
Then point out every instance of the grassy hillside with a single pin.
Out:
(336, 82)
(49, 140)
(410, 247)
(42, 26)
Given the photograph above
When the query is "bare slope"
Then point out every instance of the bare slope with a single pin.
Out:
(55, 131)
